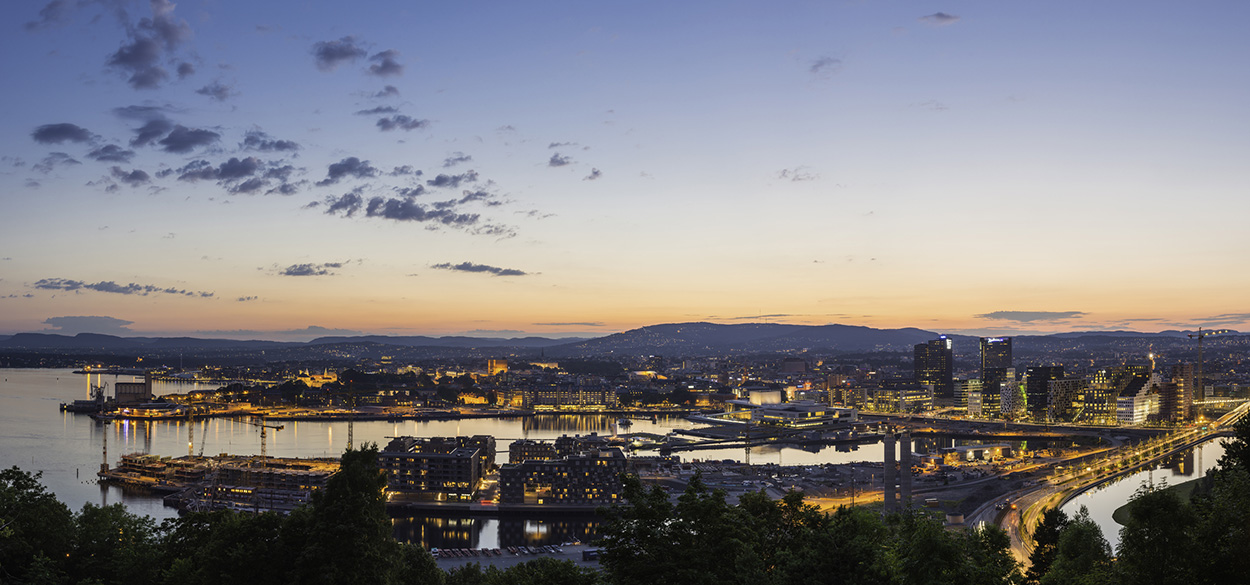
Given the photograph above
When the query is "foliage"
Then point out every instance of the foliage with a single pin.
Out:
(1045, 542)
(36, 530)
(1082, 556)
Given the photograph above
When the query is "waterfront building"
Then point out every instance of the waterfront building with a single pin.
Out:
(566, 445)
(133, 393)
(592, 478)
(934, 365)
(1064, 399)
(801, 415)
(437, 468)
(569, 397)
(1177, 397)
(1139, 400)
(894, 398)
(531, 450)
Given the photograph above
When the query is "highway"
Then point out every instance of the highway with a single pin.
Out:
(1074, 478)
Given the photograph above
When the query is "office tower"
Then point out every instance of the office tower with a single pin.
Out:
(995, 361)
(1178, 396)
(1037, 388)
(904, 468)
(890, 473)
(935, 364)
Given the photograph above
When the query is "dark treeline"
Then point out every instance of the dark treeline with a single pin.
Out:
(344, 536)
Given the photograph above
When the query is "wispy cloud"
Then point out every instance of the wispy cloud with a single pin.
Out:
(939, 19)
(1031, 316)
(480, 268)
(109, 286)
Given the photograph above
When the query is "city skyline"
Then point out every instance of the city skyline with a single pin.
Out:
(222, 169)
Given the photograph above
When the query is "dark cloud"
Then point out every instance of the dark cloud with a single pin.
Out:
(384, 64)
(411, 192)
(401, 122)
(1225, 319)
(182, 140)
(248, 187)
(405, 170)
(378, 111)
(409, 210)
(58, 133)
(559, 144)
(111, 153)
(279, 171)
(479, 195)
(185, 70)
(331, 54)
(257, 140)
(247, 299)
(825, 66)
(232, 169)
(217, 90)
(939, 19)
(593, 176)
(386, 92)
(150, 39)
(52, 14)
(573, 324)
(151, 131)
(347, 203)
(483, 268)
(453, 181)
(558, 161)
(311, 269)
(456, 158)
(133, 178)
(53, 160)
(348, 167)
(1030, 316)
(89, 324)
(109, 286)
(283, 189)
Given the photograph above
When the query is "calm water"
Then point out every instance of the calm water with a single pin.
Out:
(68, 449)
(1180, 468)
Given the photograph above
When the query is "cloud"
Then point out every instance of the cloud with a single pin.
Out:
(311, 269)
(384, 64)
(593, 176)
(305, 334)
(559, 144)
(558, 161)
(53, 160)
(247, 299)
(479, 195)
(1225, 319)
(58, 133)
(217, 90)
(133, 178)
(150, 131)
(572, 324)
(386, 92)
(182, 140)
(347, 203)
(150, 39)
(109, 286)
(89, 324)
(52, 14)
(231, 170)
(456, 158)
(825, 66)
(482, 268)
(797, 175)
(185, 70)
(939, 19)
(348, 167)
(409, 210)
(247, 187)
(453, 181)
(405, 170)
(111, 153)
(378, 111)
(401, 122)
(1031, 316)
(257, 140)
(330, 54)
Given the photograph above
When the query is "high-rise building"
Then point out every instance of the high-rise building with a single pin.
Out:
(1037, 388)
(1177, 397)
(935, 365)
(995, 361)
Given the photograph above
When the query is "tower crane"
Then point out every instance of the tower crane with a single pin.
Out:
(264, 428)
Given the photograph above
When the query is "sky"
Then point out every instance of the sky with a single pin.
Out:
(284, 170)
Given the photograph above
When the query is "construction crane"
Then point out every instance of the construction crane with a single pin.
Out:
(264, 428)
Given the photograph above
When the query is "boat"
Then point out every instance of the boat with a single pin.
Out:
(623, 422)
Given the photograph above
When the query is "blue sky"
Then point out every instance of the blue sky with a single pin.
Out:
(256, 169)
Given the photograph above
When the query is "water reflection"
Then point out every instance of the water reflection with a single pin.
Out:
(454, 532)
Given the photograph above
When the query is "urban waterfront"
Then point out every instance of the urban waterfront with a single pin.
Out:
(68, 450)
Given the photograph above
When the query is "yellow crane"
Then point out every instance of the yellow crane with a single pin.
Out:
(264, 428)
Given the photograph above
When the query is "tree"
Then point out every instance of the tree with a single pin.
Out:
(112, 545)
(1157, 541)
(347, 534)
(36, 530)
(1046, 540)
(1237, 449)
(1082, 557)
